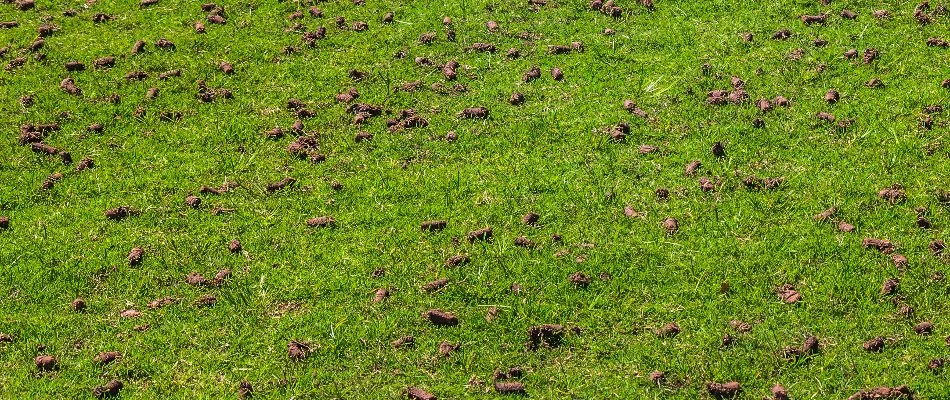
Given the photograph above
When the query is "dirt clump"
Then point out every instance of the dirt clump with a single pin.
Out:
(671, 225)
(782, 34)
(509, 387)
(893, 194)
(449, 70)
(435, 285)
(530, 218)
(68, 85)
(193, 201)
(517, 98)
(717, 97)
(826, 215)
(433, 225)
(579, 279)
(135, 256)
(404, 341)
(788, 294)
(874, 345)
(310, 38)
(161, 302)
(224, 188)
(510, 373)
(883, 392)
(221, 277)
(234, 246)
(808, 348)
(727, 341)
(415, 393)
(630, 212)
(832, 96)
(564, 49)
(15, 63)
(106, 357)
(632, 108)
(474, 113)
(546, 335)
(620, 132)
(874, 83)
(321, 222)
(740, 326)
(845, 227)
(110, 389)
(51, 180)
(298, 351)
(718, 150)
(196, 279)
(532, 74)
(245, 390)
(814, 19)
(78, 305)
(44, 148)
(362, 136)
(100, 18)
(348, 96)
(937, 42)
(881, 245)
(46, 363)
(523, 241)
(483, 234)
(881, 14)
(380, 295)
(723, 390)
(406, 119)
(169, 74)
(441, 318)
(165, 44)
(483, 47)
(446, 348)
(924, 328)
(692, 167)
(669, 330)
(900, 261)
(24, 5)
(74, 66)
(283, 183)
(119, 213)
(937, 247)
(456, 260)
(779, 392)
(920, 13)
(304, 146)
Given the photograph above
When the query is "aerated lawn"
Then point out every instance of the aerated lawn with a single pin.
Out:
(474, 199)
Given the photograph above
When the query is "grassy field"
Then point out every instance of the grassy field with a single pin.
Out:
(720, 273)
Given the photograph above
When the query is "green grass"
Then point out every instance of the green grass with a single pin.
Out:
(549, 156)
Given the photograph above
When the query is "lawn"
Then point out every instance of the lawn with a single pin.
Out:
(641, 277)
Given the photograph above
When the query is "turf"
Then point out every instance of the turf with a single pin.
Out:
(550, 155)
